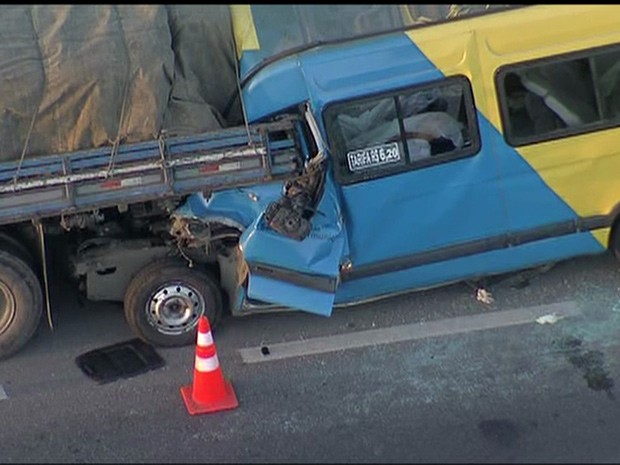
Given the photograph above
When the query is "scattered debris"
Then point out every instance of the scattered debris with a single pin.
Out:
(550, 318)
(484, 296)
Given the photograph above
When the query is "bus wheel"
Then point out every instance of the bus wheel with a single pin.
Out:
(21, 304)
(165, 299)
(614, 239)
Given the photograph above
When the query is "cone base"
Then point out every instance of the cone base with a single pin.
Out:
(229, 401)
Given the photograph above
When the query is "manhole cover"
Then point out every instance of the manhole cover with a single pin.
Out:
(122, 360)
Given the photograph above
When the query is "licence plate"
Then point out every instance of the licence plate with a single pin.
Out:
(373, 156)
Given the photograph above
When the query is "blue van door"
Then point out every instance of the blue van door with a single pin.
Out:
(412, 199)
(297, 272)
(421, 194)
(295, 248)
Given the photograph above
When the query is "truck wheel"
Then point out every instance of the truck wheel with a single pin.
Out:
(21, 304)
(13, 246)
(165, 299)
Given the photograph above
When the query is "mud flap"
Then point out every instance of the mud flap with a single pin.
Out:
(299, 274)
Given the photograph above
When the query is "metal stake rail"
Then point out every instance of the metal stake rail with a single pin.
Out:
(85, 180)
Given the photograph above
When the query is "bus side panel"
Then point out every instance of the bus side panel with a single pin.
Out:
(580, 169)
(498, 261)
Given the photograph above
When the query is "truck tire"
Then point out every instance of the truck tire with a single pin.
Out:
(165, 299)
(21, 303)
(10, 244)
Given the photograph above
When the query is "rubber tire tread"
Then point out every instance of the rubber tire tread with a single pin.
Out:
(153, 275)
(614, 239)
(28, 294)
(11, 245)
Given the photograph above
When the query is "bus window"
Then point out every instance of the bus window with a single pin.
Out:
(387, 134)
(560, 96)
(607, 71)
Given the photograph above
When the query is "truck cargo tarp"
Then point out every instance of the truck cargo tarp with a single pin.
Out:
(82, 76)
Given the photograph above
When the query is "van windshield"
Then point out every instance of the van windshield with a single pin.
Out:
(268, 31)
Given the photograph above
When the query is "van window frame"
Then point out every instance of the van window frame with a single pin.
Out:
(562, 133)
(470, 110)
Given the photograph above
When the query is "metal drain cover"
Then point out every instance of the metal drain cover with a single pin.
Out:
(121, 360)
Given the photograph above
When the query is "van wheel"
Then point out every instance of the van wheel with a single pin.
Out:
(21, 304)
(614, 239)
(165, 299)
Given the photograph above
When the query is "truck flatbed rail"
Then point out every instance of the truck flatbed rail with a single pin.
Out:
(167, 167)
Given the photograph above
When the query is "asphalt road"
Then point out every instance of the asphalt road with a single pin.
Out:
(434, 376)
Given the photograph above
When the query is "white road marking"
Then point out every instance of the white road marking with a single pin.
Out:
(409, 332)
(3, 393)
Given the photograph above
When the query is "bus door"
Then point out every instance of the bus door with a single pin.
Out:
(420, 190)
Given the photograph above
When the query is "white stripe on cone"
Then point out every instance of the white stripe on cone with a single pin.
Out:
(205, 339)
(206, 363)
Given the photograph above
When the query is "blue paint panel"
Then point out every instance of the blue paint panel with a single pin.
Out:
(320, 253)
(274, 89)
(240, 205)
(249, 60)
(367, 67)
(290, 295)
(500, 261)
(529, 200)
(352, 70)
(421, 209)
(330, 74)
(424, 209)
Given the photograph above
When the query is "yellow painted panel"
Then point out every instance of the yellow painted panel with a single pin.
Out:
(550, 29)
(243, 28)
(602, 235)
(485, 43)
(583, 170)
(459, 55)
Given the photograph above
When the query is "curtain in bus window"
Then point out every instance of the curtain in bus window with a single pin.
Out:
(607, 71)
(566, 89)
(369, 123)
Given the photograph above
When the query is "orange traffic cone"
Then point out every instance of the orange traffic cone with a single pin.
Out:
(210, 391)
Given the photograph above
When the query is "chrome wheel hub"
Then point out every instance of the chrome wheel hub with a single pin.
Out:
(175, 308)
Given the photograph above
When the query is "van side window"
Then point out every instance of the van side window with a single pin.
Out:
(416, 127)
(560, 97)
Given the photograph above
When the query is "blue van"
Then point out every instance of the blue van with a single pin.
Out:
(426, 166)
